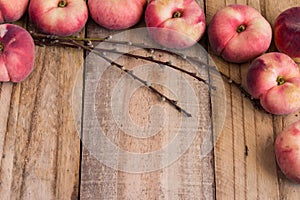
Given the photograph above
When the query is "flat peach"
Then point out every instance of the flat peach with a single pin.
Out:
(239, 33)
(287, 151)
(287, 33)
(58, 17)
(17, 53)
(11, 11)
(175, 23)
(116, 14)
(274, 78)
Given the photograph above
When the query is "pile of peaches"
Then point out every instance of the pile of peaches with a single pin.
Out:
(237, 33)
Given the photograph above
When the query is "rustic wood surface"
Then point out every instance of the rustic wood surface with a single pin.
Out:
(44, 118)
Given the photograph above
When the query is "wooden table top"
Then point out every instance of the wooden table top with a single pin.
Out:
(75, 132)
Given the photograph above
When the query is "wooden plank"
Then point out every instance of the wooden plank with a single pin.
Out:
(188, 177)
(40, 146)
(97, 180)
(224, 171)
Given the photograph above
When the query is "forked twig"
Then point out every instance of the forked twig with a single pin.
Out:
(88, 45)
(42, 40)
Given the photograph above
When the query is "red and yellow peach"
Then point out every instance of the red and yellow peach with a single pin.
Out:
(274, 78)
(287, 32)
(175, 23)
(239, 33)
(287, 151)
(11, 11)
(16, 53)
(59, 17)
(116, 14)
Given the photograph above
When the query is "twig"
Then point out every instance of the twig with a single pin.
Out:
(243, 91)
(42, 39)
(67, 41)
(148, 85)
(145, 83)
(87, 44)
(151, 59)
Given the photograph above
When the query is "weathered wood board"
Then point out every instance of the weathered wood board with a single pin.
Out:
(148, 177)
(49, 136)
(39, 142)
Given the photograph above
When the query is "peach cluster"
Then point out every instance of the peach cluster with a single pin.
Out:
(237, 33)
(66, 17)
(287, 41)
(274, 78)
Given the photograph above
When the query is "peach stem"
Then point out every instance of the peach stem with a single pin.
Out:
(241, 28)
(1, 47)
(177, 14)
(280, 80)
(62, 4)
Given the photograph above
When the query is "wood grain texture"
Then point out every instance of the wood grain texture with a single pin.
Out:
(40, 146)
(40, 125)
(188, 177)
